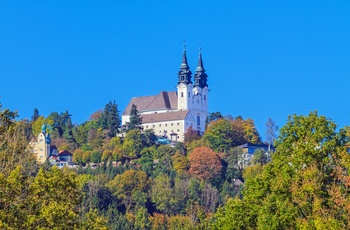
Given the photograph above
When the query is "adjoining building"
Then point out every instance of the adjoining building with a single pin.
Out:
(170, 114)
(249, 149)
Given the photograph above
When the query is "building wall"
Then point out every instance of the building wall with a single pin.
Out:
(200, 108)
(167, 127)
(184, 95)
(41, 149)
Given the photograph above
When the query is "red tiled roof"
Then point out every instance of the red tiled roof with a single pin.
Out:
(168, 116)
(65, 153)
(164, 100)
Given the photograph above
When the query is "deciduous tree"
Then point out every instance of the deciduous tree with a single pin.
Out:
(131, 187)
(204, 163)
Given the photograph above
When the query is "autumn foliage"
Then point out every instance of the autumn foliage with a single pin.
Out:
(204, 163)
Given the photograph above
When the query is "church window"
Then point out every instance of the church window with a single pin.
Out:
(41, 140)
(160, 125)
(182, 78)
(172, 130)
(205, 97)
(178, 130)
(166, 124)
(41, 150)
(198, 120)
(178, 123)
(146, 126)
(154, 126)
(189, 94)
(182, 94)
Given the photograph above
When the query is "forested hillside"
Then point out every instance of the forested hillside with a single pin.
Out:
(125, 179)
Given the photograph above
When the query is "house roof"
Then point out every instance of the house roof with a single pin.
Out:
(248, 144)
(65, 153)
(238, 182)
(161, 117)
(162, 101)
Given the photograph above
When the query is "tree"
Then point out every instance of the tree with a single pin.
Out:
(109, 118)
(162, 193)
(213, 117)
(135, 119)
(148, 137)
(271, 129)
(54, 201)
(250, 132)
(305, 184)
(231, 216)
(86, 157)
(37, 125)
(259, 157)
(204, 163)
(131, 187)
(106, 155)
(232, 168)
(132, 143)
(221, 135)
(180, 163)
(68, 132)
(191, 135)
(78, 156)
(95, 156)
(146, 161)
(59, 123)
(14, 149)
(35, 115)
(113, 120)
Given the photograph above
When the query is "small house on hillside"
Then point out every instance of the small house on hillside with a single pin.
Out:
(66, 156)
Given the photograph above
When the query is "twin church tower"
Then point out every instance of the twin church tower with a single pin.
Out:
(170, 114)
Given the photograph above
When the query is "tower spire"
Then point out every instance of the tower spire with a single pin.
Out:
(200, 62)
(184, 74)
(184, 64)
(200, 77)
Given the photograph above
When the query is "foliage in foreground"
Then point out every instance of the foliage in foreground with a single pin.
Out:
(305, 186)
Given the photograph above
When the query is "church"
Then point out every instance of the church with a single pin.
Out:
(170, 114)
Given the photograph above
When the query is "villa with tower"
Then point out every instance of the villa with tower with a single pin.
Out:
(170, 114)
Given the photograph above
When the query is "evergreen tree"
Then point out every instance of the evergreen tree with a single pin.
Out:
(135, 118)
(35, 115)
(68, 133)
(109, 119)
(113, 120)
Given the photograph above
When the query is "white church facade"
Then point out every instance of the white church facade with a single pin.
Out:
(170, 114)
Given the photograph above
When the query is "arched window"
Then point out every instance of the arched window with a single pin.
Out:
(205, 97)
(189, 94)
(182, 94)
(198, 120)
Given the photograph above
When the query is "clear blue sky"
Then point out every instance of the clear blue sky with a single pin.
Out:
(263, 58)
